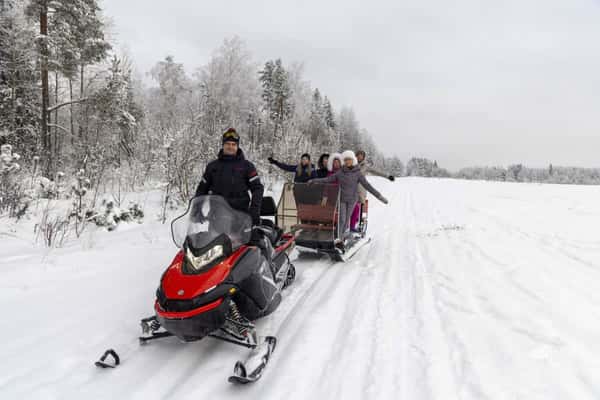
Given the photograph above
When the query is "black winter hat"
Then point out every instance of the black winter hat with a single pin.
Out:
(305, 155)
(231, 135)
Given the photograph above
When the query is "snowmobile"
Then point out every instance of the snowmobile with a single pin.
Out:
(218, 283)
(311, 212)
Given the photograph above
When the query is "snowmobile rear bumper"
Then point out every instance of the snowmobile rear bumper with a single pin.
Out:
(194, 324)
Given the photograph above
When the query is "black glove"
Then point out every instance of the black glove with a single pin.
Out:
(271, 160)
(392, 178)
(384, 200)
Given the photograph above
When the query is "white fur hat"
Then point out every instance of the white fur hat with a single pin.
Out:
(333, 157)
(350, 154)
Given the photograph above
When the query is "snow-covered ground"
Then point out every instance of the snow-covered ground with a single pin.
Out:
(470, 290)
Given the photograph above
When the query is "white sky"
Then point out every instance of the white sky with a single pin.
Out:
(466, 82)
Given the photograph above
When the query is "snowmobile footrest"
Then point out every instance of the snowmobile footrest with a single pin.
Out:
(232, 340)
(154, 336)
(101, 363)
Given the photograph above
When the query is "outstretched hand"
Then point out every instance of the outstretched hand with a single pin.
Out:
(392, 178)
(384, 200)
(271, 160)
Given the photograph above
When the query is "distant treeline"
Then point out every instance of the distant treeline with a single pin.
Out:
(521, 173)
(513, 173)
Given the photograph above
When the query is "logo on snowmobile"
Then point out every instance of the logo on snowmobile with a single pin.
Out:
(181, 292)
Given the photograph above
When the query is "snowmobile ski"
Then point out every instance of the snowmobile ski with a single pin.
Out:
(252, 368)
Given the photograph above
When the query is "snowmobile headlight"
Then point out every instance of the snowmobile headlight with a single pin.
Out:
(207, 257)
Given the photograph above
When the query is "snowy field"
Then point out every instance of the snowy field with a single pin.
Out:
(470, 290)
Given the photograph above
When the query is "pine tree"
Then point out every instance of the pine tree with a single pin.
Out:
(348, 129)
(70, 35)
(329, 114)
(277, 95)
(317, 128)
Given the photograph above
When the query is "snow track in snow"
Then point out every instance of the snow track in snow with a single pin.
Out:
(468, 290)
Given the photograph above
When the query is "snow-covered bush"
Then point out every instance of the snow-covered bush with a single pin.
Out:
(14, 199)
(111, 214)
(79, 210)
(51, 189)
(53, 227)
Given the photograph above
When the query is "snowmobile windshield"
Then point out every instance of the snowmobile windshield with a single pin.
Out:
(208, 217)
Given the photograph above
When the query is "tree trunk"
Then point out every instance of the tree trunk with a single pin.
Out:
(81, 96)
(46, 145)
(57, 145)
(71, 112)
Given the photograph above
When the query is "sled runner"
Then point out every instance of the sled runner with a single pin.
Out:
(311, 212)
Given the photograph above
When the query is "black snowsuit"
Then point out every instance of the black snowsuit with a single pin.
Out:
(232, 177)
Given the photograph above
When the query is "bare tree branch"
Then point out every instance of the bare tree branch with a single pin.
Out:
(56, 107)
(59, 127)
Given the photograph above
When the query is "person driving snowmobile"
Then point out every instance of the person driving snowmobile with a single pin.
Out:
(349, 177)
(232, 176)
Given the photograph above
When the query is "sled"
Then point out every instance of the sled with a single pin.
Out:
(311, 213)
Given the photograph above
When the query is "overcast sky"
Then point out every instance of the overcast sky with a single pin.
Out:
(466, 82)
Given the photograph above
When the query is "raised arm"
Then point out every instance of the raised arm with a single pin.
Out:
(283, 166)
(363, 181)
(328, 179)
(374, 171)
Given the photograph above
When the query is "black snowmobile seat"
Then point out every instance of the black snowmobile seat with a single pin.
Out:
(268, 208)
(271, 231)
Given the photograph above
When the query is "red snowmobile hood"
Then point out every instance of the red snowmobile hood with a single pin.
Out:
(179, 286)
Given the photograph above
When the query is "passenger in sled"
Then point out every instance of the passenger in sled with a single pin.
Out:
(348, 178)
(361, 206)
(303, 171)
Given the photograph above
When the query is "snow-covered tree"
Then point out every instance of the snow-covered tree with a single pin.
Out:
(229, 89)
(348, 129)
(395, 166)
(19, 102)
(277, 95)
(70, 37)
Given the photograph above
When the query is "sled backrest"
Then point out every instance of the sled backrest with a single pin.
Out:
(304, 206)
(316, 202)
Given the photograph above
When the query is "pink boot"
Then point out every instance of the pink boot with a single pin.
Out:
(355, 217)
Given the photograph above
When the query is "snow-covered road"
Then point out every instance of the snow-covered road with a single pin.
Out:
(469, 290)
